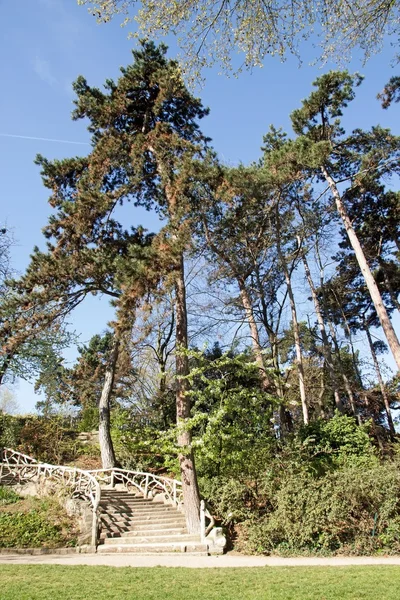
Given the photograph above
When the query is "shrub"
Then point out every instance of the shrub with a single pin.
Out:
(35, 523)
(8, 496)
(352, 510)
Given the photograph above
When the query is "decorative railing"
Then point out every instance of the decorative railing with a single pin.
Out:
(147, 484)
(205, 516)
(86, 484)
(81, 483)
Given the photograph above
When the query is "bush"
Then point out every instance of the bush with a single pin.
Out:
(325, 491)
(352, 510)
(8, 496)
(34, 523)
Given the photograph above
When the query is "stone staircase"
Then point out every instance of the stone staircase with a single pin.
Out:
(130, 523)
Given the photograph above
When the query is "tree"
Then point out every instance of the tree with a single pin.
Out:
(210, 32)
(146, 140)
(322, 148)
(390, 93)
(29, 334)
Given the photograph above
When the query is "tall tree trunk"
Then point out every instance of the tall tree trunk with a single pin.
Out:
(376, 297)
(255, 338)
(325, 342)
(343, 375)
(190, 488)
(295, 324)
(380, 381)
(108, 459)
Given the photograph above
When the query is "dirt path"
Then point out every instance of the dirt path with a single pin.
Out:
(193, 562)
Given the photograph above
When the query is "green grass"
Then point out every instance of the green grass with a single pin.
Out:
(39, 582)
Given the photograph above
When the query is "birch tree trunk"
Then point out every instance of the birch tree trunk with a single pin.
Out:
(376, 297)
(108, 459)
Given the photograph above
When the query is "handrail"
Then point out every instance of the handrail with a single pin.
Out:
(205, 513)
(86, 484)
(146, 483)
(83, 484)
(16, 457)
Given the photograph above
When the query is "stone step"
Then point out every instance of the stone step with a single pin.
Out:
(160, 522)
(132, 501)
(153, 530)
(150, 509)
(168, 548)
(129, 526)
(143, 517)
(144, 539)
(173, 526)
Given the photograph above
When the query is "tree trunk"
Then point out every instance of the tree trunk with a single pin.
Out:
(325, 342)
(381, 382)
(376, 297)
(106, 446)
(296, 334)
(255, 338)
(190, 487)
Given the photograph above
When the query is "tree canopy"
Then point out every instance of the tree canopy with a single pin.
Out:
(211, 32)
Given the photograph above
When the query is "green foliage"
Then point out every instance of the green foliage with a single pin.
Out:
(8, 496)
(338, 441)
(38, 523)
(48, 439)
(215, 32)
(354, 510)
(10, 428)
(231, 415)
(142, 446)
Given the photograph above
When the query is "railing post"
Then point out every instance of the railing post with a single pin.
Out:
(174, 492)
(202, 521)
(94, 528)
(146, 485)
(112, 478)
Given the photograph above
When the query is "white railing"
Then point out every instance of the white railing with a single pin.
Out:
(86, 484)
(81, 483)
(147, 484)
(205, 514)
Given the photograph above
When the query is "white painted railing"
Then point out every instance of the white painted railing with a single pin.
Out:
(86, 484)
(147, 484)
(81, 483)
(204, 527)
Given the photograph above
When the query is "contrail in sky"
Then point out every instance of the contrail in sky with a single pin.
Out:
(41, 139)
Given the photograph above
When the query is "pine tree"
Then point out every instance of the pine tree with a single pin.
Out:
(322, 149)
(145, 142)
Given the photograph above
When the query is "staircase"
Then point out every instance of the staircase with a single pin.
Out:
(131, 511)
(130, 523)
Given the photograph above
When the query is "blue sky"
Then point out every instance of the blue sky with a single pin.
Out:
(46, 44)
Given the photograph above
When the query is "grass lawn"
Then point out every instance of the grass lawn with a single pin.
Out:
(42, 582)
